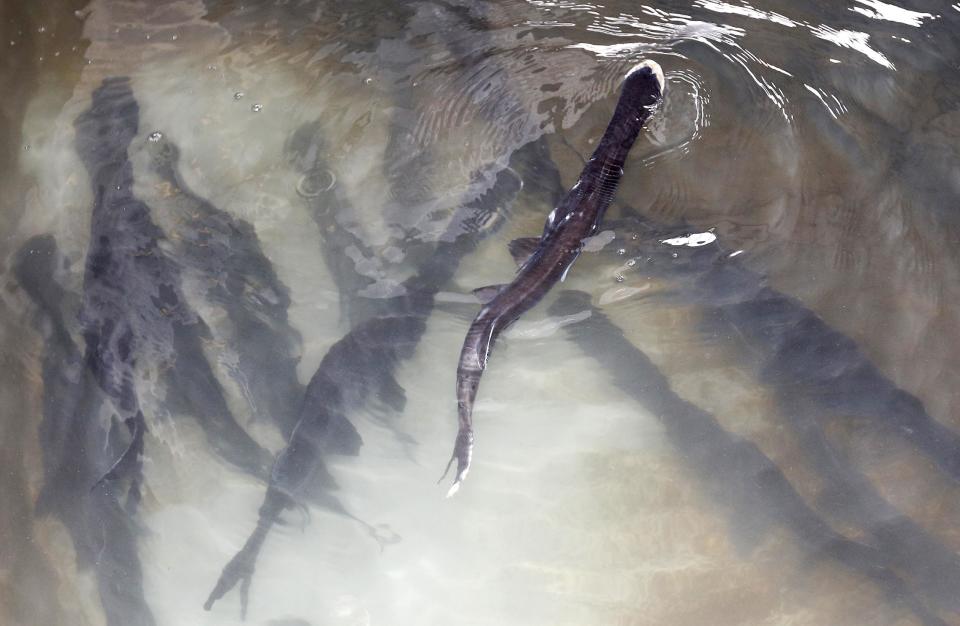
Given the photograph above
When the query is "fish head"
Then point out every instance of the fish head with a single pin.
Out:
(164, 156)
(644, 84)
(106, 129)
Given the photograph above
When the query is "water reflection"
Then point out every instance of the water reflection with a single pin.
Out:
(776, 444)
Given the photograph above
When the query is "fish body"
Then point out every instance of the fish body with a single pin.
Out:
(224, 255)
(76, 446)
(740, 479)
(134, 314)
(359, 368)
(816, 373)
(576, 218)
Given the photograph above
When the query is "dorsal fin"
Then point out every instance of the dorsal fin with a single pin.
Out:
(488, 293)
(523, 248)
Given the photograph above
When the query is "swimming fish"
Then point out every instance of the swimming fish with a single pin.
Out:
(546, 261)
(76, 446)
(223, 255)
(133, 312)
(356, 369)
(737, 476)
(816, 373)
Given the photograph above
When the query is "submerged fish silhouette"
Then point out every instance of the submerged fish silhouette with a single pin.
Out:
(734, 472)
(72, 437)
(815, 372)
(355, 369)
(545, 261)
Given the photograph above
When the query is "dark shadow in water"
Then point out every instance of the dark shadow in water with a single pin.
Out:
(133, 308)
(323, 193)
(133, 315)
(356, 369)
(223, 253)
(35, 60)
(737, 476)
(77, 447)
(816, 373)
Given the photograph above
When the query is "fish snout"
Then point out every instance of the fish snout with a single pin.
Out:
(645, 83)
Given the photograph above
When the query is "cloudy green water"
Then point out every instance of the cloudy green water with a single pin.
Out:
(820, 138)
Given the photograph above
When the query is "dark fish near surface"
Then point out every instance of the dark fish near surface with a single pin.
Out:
(734, 472)
(133, 309)
(76, 448)
(549, 258)
(359, 366)
(816, 373)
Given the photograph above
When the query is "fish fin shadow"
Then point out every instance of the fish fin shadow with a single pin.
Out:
(343, 438)
(522, 249)
(129, 460)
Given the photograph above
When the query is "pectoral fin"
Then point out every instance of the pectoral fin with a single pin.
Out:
(488, 293)
(523, 248)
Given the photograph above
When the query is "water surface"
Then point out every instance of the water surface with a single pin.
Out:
(748, 457)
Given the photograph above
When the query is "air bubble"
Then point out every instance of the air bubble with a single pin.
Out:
(368, 81)
(674, 255)
(621, 251)
(155, 136)
(631, 262)
(315, 183)
(618, 278)
(256, 108)
(238, 95)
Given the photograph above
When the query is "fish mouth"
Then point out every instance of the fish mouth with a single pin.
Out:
(654, 68)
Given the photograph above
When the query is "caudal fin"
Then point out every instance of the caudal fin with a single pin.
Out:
(462, 454)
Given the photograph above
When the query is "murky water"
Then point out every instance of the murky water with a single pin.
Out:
(742, 410)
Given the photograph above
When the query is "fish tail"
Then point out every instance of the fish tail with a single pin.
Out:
(462, 454)
(241, 567)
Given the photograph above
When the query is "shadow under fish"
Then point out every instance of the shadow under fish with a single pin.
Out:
(134, 314)
(77, 447)
(356, 369)
(734, 472)
(816, 373)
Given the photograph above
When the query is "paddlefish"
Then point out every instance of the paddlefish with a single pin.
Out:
(134, 314)
(737, 476)
(76, 445)
(356, 369)
(817, 374)
(546, 261)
